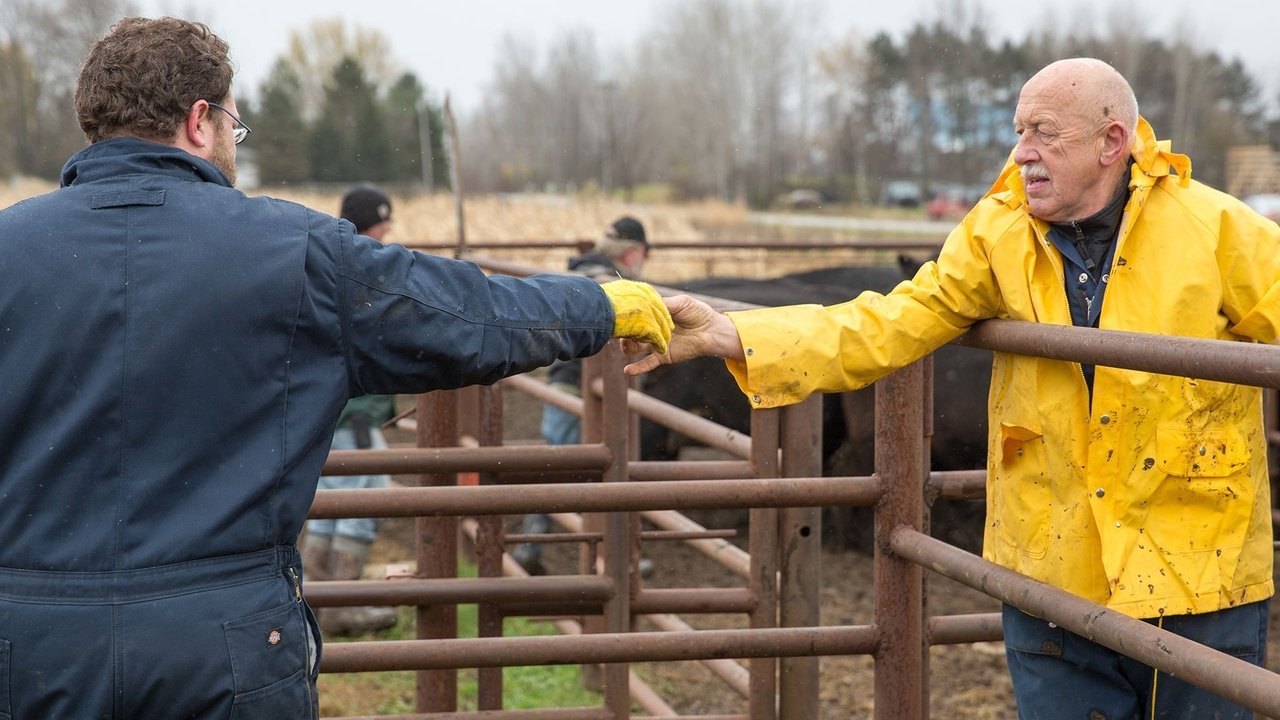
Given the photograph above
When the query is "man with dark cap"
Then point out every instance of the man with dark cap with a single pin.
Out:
(369, 209)
(337, 549)
(620, 253)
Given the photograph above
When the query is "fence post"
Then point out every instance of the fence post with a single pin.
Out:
(902, 655)
(800, 545)
(437, 551)
(483, 420)
(762, 699)
(618, 546)
(592, 675)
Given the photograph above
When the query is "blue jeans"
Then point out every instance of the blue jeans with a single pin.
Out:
(365, 529)
(558, 428)
(1058, 675)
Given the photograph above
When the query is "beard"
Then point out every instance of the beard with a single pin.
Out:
(224, 157)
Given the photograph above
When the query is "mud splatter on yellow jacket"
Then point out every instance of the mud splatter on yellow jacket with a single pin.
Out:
(1157, 501)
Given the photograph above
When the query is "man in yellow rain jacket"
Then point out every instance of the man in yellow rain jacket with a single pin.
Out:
(1145, 493)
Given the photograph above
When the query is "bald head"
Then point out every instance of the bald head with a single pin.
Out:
(1076, 120)
(1092, 88)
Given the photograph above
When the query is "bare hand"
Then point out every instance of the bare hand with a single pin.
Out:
(700, 331)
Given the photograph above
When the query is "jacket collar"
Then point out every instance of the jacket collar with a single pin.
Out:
(1152, 160)
(128, 156)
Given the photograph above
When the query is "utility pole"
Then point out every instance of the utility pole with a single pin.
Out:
(424, 145)
(455, 174)
(606, 170)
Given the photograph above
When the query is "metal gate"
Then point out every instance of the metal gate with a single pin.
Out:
(776, 476)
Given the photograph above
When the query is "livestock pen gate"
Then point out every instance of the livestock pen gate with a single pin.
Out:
(777, 477)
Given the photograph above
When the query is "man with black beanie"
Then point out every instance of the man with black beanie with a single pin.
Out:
(337, 549)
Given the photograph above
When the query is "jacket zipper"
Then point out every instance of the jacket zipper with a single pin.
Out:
(297, 584)
(1062, 284)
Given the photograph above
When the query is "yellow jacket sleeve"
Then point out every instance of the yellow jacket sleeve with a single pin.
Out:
(792, 352)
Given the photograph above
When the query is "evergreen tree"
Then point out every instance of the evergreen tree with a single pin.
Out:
(407, 108)
(404, 99)
(441, 177)
(279, 131)
(350, 141)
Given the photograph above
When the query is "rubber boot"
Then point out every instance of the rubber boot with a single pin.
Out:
(346, 562)
(529, 555)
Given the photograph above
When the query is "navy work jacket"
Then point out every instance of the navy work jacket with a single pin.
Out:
(174, 355)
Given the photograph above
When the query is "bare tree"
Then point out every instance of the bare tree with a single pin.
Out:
(573, 108)
(62, 31)
(635, 107)
(505, 140)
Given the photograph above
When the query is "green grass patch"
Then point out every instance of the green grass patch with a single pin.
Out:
(393, 692)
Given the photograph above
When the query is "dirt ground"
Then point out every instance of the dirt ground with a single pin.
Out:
(967, 681)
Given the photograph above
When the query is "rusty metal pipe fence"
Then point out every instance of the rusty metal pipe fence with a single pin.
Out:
(777, 479)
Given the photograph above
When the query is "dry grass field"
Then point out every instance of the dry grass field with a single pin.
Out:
(423, 219)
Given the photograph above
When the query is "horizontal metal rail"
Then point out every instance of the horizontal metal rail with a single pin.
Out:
(730, 556)
(594, 713)
(603, 497)
(441, 591)
(598, 648)
(571, 404)
(700, 429)
(1234, 679)
(540, 714)
(690, 601)
(1242, 363)
(956, 484)
(638, 470)
(417, 461)
(961, 629)
(717, 245)
(645, 535)
(543, 595)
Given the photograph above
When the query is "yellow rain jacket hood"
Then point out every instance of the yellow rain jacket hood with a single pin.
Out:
(1155, 500)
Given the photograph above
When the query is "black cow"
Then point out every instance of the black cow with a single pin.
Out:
(961, 381)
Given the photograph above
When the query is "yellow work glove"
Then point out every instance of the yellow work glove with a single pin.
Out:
(639, 313)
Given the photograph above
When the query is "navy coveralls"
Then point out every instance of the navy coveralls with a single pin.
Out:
(173, 359)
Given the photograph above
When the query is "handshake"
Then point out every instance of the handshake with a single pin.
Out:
(670, 330)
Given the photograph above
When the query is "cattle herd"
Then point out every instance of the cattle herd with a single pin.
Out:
(961, 379)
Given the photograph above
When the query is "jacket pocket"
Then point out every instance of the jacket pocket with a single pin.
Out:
(1207, 496)
(1201, 453)
(268, 653)
(1020, 492)
(6, 702)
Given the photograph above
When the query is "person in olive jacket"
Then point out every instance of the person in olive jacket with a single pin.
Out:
(175, 356)
(1145, 493)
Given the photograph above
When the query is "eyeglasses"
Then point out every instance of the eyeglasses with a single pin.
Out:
(240, 131)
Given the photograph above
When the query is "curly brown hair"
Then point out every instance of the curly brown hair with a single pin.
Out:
(141, 78)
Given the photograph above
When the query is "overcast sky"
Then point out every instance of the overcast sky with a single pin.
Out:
(451, 45)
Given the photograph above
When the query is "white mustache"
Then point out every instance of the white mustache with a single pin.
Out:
(1035, 171)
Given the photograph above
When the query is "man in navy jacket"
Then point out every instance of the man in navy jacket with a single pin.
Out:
(175, 356)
